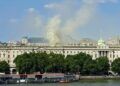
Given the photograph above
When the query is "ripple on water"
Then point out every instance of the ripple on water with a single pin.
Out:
(81, 83)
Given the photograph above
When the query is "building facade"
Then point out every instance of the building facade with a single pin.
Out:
(10, 52)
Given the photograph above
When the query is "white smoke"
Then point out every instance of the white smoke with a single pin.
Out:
(58, 26)
(53, 31)
(84, 14)
(80, 18)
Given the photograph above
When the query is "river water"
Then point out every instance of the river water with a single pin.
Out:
(80, 83)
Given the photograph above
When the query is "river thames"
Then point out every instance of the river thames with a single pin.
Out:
(80, 83)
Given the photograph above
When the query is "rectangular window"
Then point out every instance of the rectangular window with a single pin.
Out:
(8, 56)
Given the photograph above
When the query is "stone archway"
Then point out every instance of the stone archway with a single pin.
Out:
(14, 71)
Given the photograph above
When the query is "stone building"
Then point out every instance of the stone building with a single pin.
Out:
(96, 50)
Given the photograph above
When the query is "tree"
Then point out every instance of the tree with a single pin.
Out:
(76, 62)
(69, 63)
(90, 67)
(24, 63)
(116, 66)
(81, 59)
(4, 67)
(32, 62)
(102, 64)
(42, 61)
(56, 63)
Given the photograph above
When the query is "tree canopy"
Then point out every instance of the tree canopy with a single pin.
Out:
(116, 66)
(79, 63)
(4, 67)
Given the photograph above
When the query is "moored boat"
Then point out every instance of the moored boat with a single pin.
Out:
(64, 81)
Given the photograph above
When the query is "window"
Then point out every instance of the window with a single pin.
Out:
(110, 55)
(3, 55)
(117, 56)
(8, 56)
(67, 51)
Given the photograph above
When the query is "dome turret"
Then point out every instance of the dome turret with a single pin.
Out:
(101, 42)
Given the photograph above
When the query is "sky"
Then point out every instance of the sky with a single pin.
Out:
(77, 18)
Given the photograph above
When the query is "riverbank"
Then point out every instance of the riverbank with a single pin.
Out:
(79, 83)
(50, 78)
(99, 77)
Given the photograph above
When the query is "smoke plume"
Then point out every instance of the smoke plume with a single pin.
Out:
(79, 19)
(53, 31)
(66, 19)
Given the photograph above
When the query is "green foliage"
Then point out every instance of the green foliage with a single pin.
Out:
(116, 66)
(39, 62)
(4, 67)
(43, 62)
(56, 63)
(30, 63)
(69, 63)
(90, 67)
(23, 63)
(102, 64)
(84, 64)
(75, 62)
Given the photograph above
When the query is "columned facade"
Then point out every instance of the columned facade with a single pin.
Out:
(9, 53)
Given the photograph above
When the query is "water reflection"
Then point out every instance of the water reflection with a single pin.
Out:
(80, 83)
